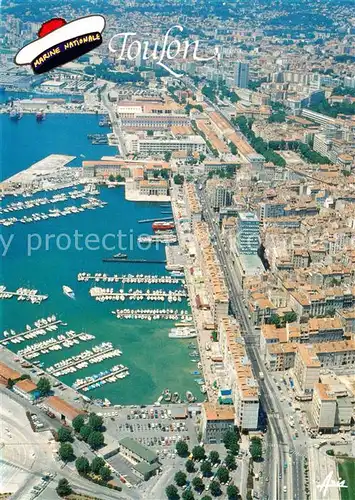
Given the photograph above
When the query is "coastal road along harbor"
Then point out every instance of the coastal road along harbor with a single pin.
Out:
(27, 455)
(288, 483)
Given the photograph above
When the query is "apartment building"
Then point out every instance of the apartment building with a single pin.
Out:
(217, 292)
(313, 301)
(192, 203)
(243, 383)
(216, 420)
(324, 407)
(307, 367)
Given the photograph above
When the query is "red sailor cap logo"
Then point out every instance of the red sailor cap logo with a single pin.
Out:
(60, 42)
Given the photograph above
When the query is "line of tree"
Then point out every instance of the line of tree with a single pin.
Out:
(90, 432)
(333, 110)
(101, 71)
(303, 149)
(257, 143)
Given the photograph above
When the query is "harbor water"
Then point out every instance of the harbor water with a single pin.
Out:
(155, 362)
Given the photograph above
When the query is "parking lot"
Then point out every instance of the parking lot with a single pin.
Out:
(153, 427)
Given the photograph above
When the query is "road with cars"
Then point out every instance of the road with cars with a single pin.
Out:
(286, 474)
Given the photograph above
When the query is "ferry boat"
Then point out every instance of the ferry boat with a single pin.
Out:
(182, 333)
(68, 291)
(120, 256)
(162, 226)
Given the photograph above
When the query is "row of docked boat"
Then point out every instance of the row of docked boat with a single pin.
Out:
(41, 326)
(34, 202)
(92, 204)
(66, 340)
(174, 397)
(104, 294)
(26, 294)
(97, 380)
(84, 360)
(104, 346)
(153, 314)
(129, 278)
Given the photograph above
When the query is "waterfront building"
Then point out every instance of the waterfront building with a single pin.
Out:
(124, 168)
(242, 380)
(160, 145)
(216, 420)
(7, 373)
(63, 410)
(157, 187)
(242, 74)
(26, 389)
(145, 462)
(151, 121)
(192, 203)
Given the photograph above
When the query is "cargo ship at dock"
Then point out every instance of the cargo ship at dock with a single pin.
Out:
(163, 226)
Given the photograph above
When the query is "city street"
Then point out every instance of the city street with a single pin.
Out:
(285, 482)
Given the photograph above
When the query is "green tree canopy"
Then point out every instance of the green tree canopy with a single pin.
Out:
(96, 464)
(197, 483)
(215, 488)
(96, 440)
(44, 386)
(172, 492)
(85, 432)
(82, 465)
(78, 422)
(189, 465)
(66, 452)
(230, 462)
(64, 434)
(188, 495)
(63, 489)
(198, 452)
(180, 478)
(255, 448)
(95, 421)
(232, 492)
(214, 456)
(178, 179)
(223, 474)
(105, 473)
(182, 449)
(206, 468)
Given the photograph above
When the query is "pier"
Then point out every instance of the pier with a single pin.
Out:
(134, 261)
(130, 278)
(33, 330)
(160, 295)
(100, 379)
(56, 342)
(143, 221)
(82, 360)
(23, 294)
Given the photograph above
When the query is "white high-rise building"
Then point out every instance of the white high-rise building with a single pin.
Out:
(242, 75)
